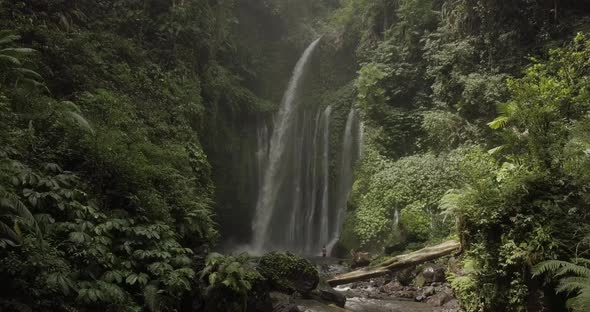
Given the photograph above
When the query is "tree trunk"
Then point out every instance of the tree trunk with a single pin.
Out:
(397, 263)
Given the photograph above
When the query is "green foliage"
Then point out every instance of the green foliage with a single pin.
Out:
(523, 212)
(106, 192)
(574, 280)
(12, 59)
(409, 190)
(229, 281)
(464, 286)
(431, 76)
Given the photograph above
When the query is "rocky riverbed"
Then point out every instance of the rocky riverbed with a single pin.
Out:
(295, 286)
(422, 289)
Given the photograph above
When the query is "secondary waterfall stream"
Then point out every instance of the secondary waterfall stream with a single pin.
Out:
(301, 201)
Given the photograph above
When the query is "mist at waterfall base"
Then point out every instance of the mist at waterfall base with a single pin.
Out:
(301, 202)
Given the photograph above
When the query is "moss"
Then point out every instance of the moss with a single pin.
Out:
(289, 273)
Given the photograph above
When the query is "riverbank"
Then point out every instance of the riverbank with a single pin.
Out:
(420, 289)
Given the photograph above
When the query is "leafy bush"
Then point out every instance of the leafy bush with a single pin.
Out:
(230, 282)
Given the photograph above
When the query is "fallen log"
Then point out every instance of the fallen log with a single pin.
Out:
(397, 263)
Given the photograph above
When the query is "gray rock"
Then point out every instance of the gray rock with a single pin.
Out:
(406, 276)
(440, 298)
(430, 274)
(428, 291)
(286, 307)
(326, 293)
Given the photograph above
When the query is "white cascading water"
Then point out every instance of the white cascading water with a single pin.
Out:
(262, 151)
(300, 208)
(267, 196)
(325, 216)
(350, 153)
(314, 183)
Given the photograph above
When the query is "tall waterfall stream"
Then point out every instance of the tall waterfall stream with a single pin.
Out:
(298, 208)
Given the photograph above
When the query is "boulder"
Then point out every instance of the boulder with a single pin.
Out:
(326, 293)
(286, 307)
(439, 299)
(288, 273)
(428, 291)
(430, 274)
(406, 276)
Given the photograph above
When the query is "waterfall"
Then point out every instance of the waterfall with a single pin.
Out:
(324, 224)
(281, 140)
(261, 152)
(350, 153)
(300, 205)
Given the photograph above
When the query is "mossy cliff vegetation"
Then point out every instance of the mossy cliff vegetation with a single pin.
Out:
(473, 113)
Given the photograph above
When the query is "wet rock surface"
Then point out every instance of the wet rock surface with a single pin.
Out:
(422, 289)
(327, 294)
(417, 289)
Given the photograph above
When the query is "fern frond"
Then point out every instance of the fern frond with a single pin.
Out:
(451, 201)
(507, 109)
(9, 38)
(70, 106)
(30, 73)
(573, 284)
(499, 122)
(549, 266)
(573, 269)
(581, 261)
(10, 59)
(81, 121)
(496, 149)
(9, 233)
(18, 50)
(581, 302)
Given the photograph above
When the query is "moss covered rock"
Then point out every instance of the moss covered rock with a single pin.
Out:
(289, 273)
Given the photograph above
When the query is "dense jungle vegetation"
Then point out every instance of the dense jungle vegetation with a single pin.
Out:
(125, 129)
